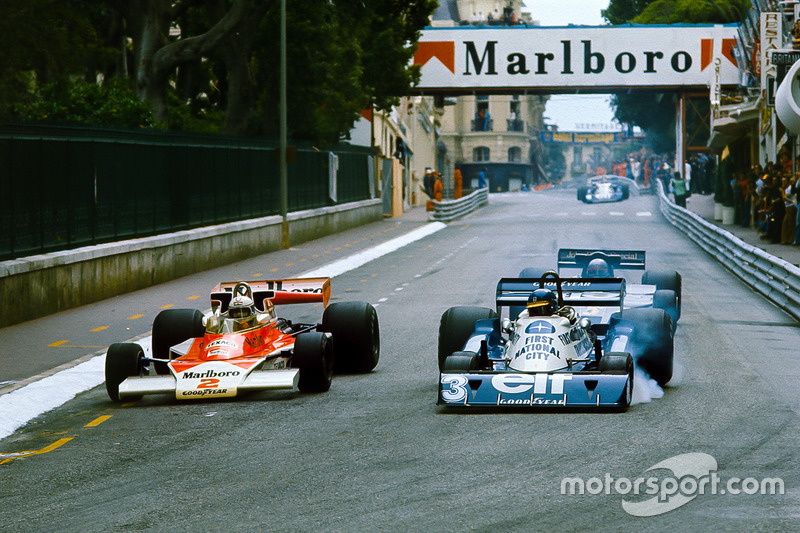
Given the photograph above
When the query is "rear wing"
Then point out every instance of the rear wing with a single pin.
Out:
(622, 259)
(577, 292)
(279, 291)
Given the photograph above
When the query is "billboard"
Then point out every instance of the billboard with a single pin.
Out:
(566, 59)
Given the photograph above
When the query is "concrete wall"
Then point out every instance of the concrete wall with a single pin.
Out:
(40, 285)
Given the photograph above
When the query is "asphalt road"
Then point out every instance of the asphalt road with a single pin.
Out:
(376, 454)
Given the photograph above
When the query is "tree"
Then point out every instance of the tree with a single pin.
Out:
(655, 112)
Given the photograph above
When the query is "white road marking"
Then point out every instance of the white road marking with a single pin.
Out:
(616, 213)
(644, 214)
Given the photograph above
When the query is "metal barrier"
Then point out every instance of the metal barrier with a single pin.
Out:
(776, 279)
(447, 210)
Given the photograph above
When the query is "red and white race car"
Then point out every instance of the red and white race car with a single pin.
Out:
(244, 346)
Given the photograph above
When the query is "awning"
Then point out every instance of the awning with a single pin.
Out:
(731, 122)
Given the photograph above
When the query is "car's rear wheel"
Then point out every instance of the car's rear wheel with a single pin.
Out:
(626, 191)
(456, 326)
(356, 335)
(123, 360)
(652, 344)
(619, 363)
(664, 279)
(313, 357)
(582, 192)
(171, 327)
(667, 300)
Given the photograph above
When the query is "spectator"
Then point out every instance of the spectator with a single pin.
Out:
(678, 185)
(482, 178)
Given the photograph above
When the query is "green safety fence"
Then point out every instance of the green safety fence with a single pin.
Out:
(69, 187)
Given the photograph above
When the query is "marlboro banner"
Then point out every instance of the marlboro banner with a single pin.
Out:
(565, 59)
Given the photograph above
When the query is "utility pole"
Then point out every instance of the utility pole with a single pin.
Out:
(284, 174)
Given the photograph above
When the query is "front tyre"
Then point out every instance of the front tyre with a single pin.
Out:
(456, 327)
(171, 327)
(619, 363)
(313, 357)
(664, 279)
(356, 336)
(123, 360)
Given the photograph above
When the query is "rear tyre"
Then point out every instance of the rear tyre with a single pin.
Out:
(652, 342)
(123, 360)
(171, 327)
(619, 363)
(456, 326)
(461, 362)
(664, 279)
(626, 192)
(313, 356)
(356, 336)
(582, 192)
(667, 300)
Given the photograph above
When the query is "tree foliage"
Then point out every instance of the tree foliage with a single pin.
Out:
(655, 112)
(211, 65)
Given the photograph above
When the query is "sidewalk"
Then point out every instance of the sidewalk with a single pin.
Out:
(703, 206)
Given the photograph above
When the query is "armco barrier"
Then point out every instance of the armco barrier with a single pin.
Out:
(447, 210)
(40, 285)
(776, 279)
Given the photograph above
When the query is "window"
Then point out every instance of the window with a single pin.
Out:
(514, 154)
(483, 120)
(480, 153)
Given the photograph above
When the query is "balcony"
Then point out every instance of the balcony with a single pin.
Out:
(515, 125)
(482, 124)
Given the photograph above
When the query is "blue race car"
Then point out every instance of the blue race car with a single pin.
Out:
(548, 355)
(603, 189)
(658, 288)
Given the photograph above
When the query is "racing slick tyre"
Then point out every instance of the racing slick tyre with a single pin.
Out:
(313, 356)
(664, 279)
(652, 344)
(582, 191)
(619, 363)
(667, 300)
(356, 336)
(456, 326)
(123, 360)
(171, 327)
(626, 191)
(461, 362)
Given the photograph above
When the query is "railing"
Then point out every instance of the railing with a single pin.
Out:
(447, 210)
(483, 124)
(774, 278)
(515, 125)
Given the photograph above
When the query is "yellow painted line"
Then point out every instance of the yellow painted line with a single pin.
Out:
(373, 275)
(346, 245)
(128, 404)
(134, 317)
(166, 306)
(289, 264)
(315, 255)
(195, 297)
(57, 343)
(97, 421)
(273, 270)
(303, 259)
(338, 248)
(101, 328)
(257, 275)
(326, 252)
(7, 457)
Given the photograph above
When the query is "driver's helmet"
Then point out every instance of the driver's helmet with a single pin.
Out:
(240, 307)
(542, 302)
(598, 268)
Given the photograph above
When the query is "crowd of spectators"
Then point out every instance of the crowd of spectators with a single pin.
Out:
(765, 199)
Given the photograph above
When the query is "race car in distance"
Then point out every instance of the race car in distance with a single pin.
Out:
(549, 355)
(243, 346)
(660, 289)
(602, 189)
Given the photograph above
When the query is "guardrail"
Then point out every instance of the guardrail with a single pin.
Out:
(774, 278)
(447, 210)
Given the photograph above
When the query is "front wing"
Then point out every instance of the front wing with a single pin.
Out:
(209, 387)
(558, 389)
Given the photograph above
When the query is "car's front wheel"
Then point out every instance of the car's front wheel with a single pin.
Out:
(313, 357)
(123, 360)
(356, 335)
